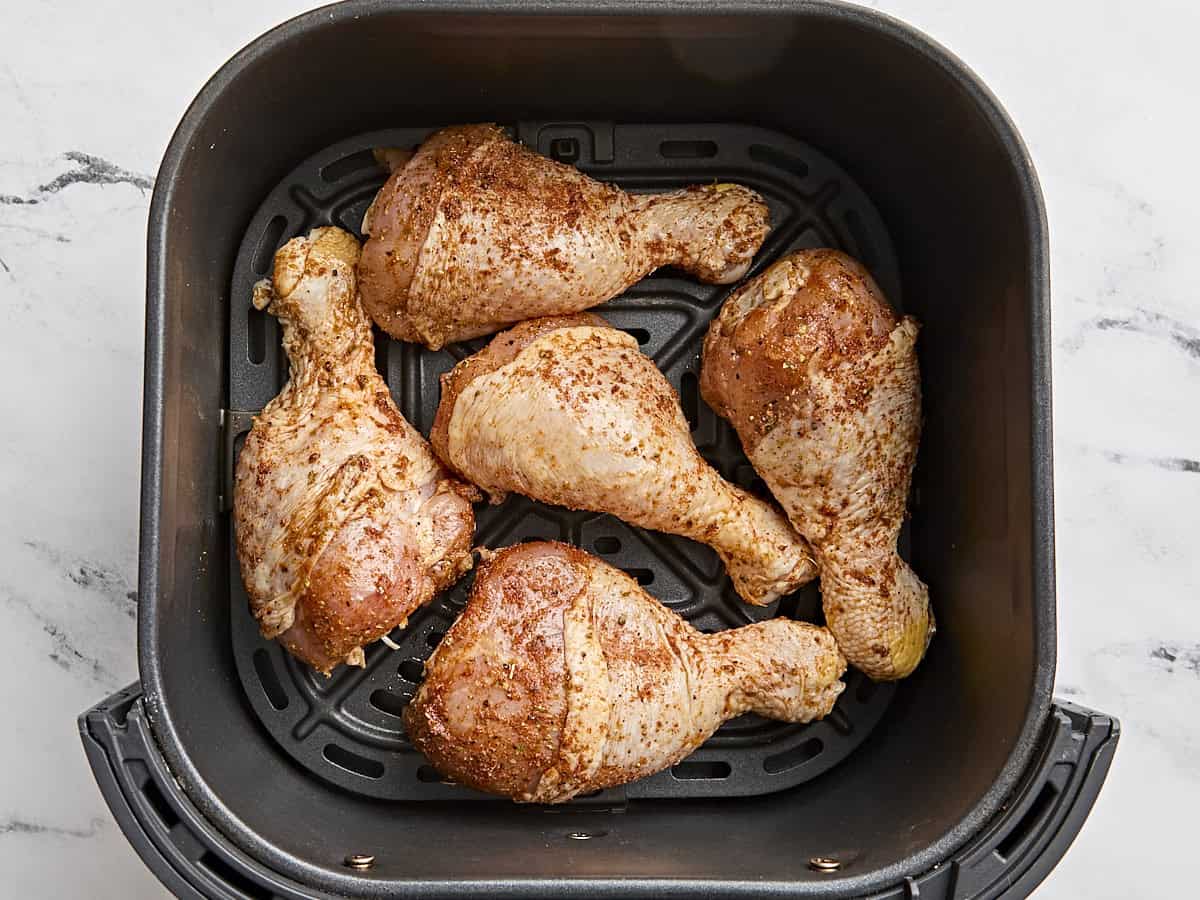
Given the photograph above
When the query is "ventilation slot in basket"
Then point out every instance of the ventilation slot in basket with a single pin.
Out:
(702, 771)
(269, 678)
(607, 545)
(381, 351)
(643, 576)
(256, 335)
(689, 398)
(412, 670)
(264, 253)
(352, 762)
(347, 165)
(797, 756)
(387, 702)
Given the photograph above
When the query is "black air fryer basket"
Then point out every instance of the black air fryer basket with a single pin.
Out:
(237, 772)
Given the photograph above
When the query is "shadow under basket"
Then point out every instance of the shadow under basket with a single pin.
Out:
(236, 772)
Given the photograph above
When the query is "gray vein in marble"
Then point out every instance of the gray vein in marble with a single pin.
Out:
(88, 169)
(1174, 655)
(1179, 334)
(1153, 685)
(1170, 463)
(92, 576)
(24, 826)
(63, 651)
(1157, 325)
(37, 232)
(94, 170)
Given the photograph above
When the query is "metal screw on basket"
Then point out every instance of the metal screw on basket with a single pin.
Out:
(824, 864)
(585, 835)
(359, 861)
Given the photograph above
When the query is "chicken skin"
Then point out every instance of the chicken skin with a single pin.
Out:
(476, 232)
(562, 676)
(568, 411)
(345, 520)
(819, 377)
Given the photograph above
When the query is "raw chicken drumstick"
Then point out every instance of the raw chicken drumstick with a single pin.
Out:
(345, 520)
(819, 377)
(568, 411)
(563, 676)
(476, 232)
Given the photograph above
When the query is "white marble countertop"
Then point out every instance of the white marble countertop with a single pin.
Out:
(1104, 95)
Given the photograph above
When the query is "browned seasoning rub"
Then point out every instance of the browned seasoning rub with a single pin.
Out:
(562, 677)
(568, 410)
(819, 377)
(476, 232)
(345, 521)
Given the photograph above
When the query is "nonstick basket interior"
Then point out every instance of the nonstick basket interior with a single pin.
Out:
(347, 729)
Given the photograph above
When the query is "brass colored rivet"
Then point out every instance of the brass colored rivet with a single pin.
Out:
(824, 864)
(359, 861)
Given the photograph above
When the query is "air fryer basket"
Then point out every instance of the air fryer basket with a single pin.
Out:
(968, 781)
(347, 728)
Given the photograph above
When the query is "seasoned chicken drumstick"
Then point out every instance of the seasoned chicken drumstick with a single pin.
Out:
(563, 676)
(345, 521)
(476, 232)
(819, 377)
(568, 411)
